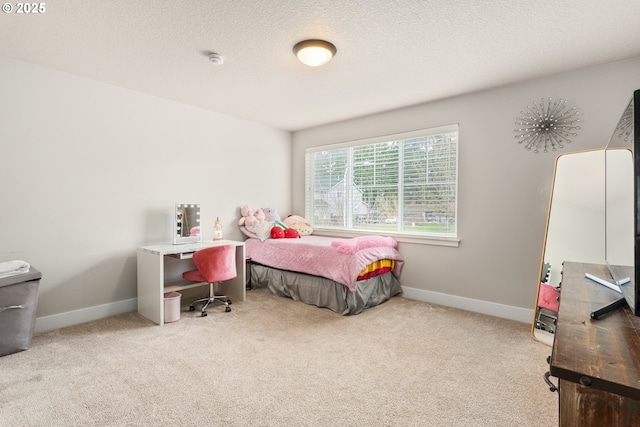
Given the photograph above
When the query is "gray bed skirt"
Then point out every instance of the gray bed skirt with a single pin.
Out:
(323, 292)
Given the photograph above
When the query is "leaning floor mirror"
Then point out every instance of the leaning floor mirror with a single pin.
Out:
(574, 232)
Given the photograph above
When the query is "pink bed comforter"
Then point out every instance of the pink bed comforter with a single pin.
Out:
(315, 255)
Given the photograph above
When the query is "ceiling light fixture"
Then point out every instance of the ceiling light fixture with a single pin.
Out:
(314, 52)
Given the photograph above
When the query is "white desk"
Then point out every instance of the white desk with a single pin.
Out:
(160, 269)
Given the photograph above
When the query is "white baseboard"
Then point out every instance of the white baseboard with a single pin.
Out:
(70, 318)
(478, 306)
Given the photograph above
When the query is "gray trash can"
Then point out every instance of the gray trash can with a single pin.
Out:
(18, 301)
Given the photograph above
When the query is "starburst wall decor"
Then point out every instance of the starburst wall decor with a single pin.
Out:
(624, 130)
(547, 125)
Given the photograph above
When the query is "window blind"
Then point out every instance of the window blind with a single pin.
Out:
(405, 184)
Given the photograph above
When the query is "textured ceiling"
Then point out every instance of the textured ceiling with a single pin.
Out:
(391, 53)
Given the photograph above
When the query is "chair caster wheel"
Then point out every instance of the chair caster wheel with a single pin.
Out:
(192, 308)
(204, 314)
(228, 309)
(229, 301)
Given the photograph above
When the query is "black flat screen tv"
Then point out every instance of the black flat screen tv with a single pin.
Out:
(622, 213)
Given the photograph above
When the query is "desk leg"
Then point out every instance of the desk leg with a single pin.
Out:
(151, 286)
(236, 288)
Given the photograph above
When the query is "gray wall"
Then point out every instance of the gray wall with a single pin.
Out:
(91, 171)
(503, 188)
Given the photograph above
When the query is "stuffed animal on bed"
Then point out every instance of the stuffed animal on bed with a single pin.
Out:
(259, 215)
(281, 231)
(247, 216)
(290, 233)
(299, 224)
(251, 217)
(277, 232)
(271, 215)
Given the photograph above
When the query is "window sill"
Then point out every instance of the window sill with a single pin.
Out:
(400, 238)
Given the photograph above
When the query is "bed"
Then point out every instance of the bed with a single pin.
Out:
(344, 275)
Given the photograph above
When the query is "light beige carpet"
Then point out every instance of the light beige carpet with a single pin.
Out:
(276, 362)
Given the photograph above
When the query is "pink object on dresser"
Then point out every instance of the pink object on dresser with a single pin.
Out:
(548, 297)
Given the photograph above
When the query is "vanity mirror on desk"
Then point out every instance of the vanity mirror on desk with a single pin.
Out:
(160, 269)
(187, 228)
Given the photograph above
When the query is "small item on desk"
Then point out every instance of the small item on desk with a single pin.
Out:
(603, 282)
(217, 230)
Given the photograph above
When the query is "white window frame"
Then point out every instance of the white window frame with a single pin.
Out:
(446, 239)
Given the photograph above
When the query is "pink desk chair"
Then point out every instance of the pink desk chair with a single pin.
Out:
(214, 264)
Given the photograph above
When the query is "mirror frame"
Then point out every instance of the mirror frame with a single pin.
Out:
(178, 229)
(539, 334)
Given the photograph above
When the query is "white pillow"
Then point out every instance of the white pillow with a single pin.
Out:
(247, 232)
(262, 231)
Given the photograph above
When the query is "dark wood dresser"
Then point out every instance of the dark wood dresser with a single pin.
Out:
(597, 362)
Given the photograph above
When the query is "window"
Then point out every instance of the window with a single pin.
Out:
(404, 184)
